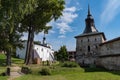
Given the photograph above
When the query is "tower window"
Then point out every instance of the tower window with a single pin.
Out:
(96, 47)
(80, 49)
(88, 40)
(88, 48)
(95, 39)
(81, 41)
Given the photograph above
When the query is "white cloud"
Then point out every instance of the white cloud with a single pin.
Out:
(51, 31)
(71, 9)
(68, 2)
(61, 36)
(68, 17)
(63, 27)
(110, 11)
(69, 14)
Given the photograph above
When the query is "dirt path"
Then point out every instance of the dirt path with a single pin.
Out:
(15, 72)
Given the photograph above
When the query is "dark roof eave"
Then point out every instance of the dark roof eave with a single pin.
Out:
(109, 55)
(90, 34)
(115, 39)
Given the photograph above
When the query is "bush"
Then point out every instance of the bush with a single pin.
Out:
(26, 70)
(69, 64)
(45, 71)
(3, 74)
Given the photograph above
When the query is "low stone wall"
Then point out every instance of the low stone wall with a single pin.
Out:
(109, 62)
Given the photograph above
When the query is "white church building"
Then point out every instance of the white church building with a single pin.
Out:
(42, 51)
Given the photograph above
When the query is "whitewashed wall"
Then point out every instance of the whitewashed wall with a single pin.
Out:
(44, 53)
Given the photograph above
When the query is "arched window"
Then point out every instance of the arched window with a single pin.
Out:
(88, 48)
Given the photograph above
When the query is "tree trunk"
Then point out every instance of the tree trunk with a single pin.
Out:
(8, 58)
(29, 51)
(28, 46)
(30, 43)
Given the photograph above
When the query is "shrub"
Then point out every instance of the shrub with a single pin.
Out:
(69, 64)
(3, 74)
(45, 71)
(26, 70)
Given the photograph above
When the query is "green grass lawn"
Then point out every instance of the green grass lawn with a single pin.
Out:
(62, 73)
(15, 61)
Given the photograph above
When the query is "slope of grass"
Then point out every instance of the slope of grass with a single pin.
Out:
(14, 60)
(17, 61)
(61, 73)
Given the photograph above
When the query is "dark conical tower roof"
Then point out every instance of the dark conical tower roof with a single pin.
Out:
(89, 21)
(89, 12)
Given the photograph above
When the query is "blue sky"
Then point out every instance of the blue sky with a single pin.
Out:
(106, 14)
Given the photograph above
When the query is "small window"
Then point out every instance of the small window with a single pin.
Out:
(95, 39)
(80, 49)
(88, 40)
(88, 48)
(81, 41)
(96, 47)
(42, 49)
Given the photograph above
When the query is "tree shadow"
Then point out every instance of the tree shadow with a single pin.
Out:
(17, 62)
(2, 62)
(101, 69)
(95, 69)
(115, 72)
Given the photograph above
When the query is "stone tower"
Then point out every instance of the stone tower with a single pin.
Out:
(87, 43)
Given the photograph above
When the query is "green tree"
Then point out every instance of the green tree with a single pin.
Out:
(12, 12)
(46, 10)
(62, 54)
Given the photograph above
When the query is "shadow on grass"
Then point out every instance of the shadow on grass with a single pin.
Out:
(13, 60)
(115, 72)
(95, 69)
(100, 69)
(17, 61)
